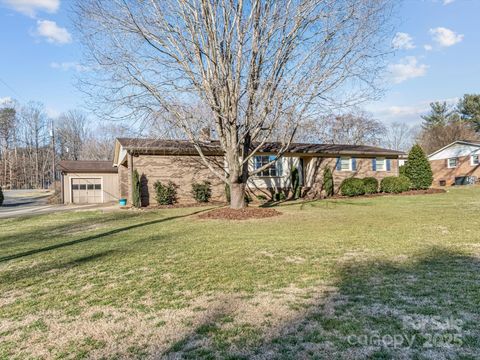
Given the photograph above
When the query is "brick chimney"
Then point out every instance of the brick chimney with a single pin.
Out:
(205, 135)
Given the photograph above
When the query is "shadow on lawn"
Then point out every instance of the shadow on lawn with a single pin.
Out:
(37, 270)
(95, 236)
(427, 305)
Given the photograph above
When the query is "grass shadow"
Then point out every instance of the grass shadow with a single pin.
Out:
(421, 308)
(95, 237)
(38, 270)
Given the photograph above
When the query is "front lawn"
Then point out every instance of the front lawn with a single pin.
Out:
(356, 278)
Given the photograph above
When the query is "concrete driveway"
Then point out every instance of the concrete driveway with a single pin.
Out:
(33, 202)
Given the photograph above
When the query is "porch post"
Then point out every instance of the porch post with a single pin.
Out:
(130, 178)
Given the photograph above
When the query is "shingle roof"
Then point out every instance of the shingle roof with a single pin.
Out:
(185, 147)
(87, 166)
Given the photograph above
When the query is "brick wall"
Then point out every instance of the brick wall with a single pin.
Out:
(185, 170)
(442, 172)
(315, 167)
(181, 170)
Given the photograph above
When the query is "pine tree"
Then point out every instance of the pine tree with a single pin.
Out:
(439, 115)
(469, 109)
(418, 169)
(137, 202)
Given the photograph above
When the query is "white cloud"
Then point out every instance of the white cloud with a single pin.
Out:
(30, 7)
(52, 32)
(407, 68)
(403, 41)
(410, 114)
(445, 37)
(69, 65)
(446, 2)
(6, 100)
(428, 47)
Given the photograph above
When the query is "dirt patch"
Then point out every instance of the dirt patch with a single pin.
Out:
(240, 214)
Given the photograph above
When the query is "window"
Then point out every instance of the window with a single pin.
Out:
(98, 186)
(345, 164)
(474, 160)
(452, 163)
(274, 170)
(381, 164)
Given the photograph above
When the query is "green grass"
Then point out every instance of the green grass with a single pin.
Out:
(326, 279)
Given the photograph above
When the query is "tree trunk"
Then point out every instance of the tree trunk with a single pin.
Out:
(237, 196)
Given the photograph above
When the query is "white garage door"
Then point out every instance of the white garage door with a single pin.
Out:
(86, 191)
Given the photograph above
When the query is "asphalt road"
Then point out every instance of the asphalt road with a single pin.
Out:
(32, 202)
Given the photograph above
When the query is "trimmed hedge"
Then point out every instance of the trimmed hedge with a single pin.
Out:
(371, 185)
(202, 192)
(1, 196)
(165, 194)
(395, 184)
(352, 187)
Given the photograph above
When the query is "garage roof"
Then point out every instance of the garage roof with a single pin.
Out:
(87, 166)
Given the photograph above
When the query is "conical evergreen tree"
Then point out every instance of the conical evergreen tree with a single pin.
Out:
(137, 202)
(418, 169)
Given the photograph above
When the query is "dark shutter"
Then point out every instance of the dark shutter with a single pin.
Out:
(374, 164)
(354, 164)
(388, 164)
(339, 166)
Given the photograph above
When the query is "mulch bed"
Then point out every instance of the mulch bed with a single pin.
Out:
(187, 205)
(406, 193)
(242, 214)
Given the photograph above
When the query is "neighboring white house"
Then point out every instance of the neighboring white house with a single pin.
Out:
(457, 163)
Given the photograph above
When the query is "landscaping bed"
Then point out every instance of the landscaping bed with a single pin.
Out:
(409, 192)
(241, 214)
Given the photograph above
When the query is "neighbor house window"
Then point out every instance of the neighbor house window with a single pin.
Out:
(474, 160)
(381, 164)
(345, 164)
(452, 163)
(274, 170)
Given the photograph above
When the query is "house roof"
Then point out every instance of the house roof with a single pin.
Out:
(463, 142)
(87, 166)
(185, 147)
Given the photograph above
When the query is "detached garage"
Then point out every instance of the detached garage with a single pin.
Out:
(89, 182)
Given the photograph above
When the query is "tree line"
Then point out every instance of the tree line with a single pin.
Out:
(445, 123)
(32, 143)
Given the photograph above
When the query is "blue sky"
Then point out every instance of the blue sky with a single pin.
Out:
(436, 56)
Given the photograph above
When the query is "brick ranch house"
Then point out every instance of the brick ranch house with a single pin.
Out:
(179, 162)
(456, 164)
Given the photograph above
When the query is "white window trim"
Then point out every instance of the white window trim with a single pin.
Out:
(384, 164)
(471, 160)
(448, 163)
(349, 163)
(277, 164)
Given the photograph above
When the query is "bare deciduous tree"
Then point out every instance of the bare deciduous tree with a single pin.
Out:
(400, 136)
(98, 145)
(259, 67)
(435, 137)
(72, 131)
